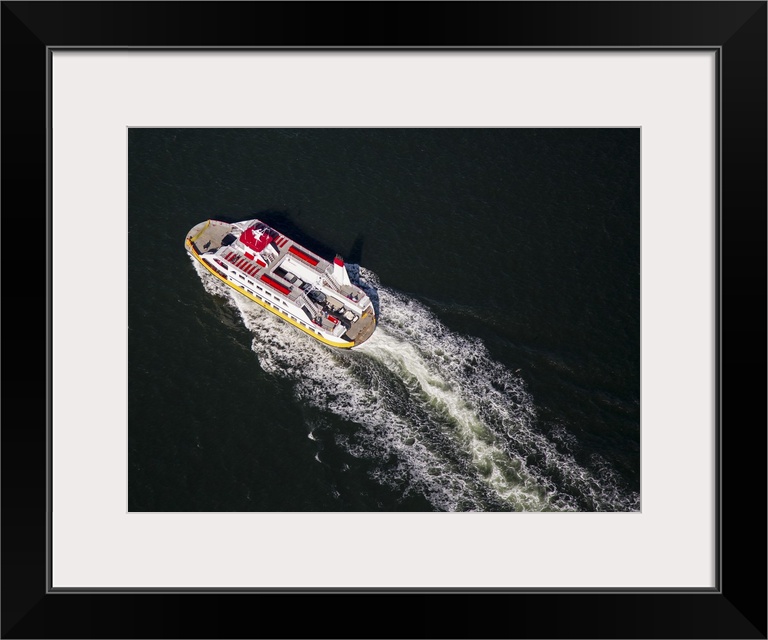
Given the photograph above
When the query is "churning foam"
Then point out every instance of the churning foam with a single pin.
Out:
(460, 427)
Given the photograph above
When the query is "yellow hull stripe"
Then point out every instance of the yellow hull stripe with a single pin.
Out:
(345, 345)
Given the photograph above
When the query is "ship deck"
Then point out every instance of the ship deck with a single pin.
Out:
(208, 238)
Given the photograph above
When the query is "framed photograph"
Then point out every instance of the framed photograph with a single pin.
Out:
(436, 311)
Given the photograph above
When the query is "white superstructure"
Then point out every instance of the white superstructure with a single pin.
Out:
(284, 277)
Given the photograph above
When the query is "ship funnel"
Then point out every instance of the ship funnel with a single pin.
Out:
(339, 272)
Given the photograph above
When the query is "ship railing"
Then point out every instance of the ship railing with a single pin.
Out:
(331, 284)
(304, 299)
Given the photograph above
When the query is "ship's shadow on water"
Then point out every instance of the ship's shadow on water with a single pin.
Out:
(283, 222)
(356, 251)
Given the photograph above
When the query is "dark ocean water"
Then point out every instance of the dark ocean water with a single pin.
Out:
(504, 374)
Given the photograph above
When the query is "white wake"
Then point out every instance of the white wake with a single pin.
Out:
(435, 415)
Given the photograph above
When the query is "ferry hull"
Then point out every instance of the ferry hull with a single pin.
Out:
(337, 314)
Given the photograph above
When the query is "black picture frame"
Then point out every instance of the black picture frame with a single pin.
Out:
(736, 608)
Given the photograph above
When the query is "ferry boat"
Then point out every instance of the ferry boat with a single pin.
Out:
(312, 294)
